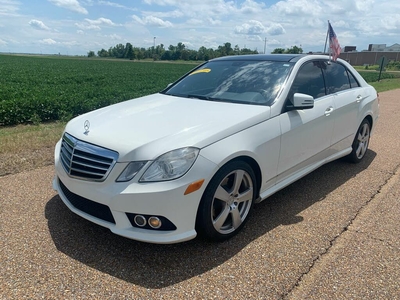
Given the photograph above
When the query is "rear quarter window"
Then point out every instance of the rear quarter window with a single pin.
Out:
(353, 81)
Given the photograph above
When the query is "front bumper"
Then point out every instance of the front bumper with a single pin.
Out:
(109, 203)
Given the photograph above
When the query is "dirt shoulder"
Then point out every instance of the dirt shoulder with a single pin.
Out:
(28, 147)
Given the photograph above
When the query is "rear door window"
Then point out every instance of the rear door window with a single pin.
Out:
(336, 77)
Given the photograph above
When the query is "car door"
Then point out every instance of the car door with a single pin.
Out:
(306, 134)
(347, 98)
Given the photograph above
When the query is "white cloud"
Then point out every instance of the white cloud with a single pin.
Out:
(3, 43)
(252, 27)
(38, 25)
(274, 42)
(254, 38)
(194, 22)
(100, 21)
(165, 14)
(364, 5)
(86, 26)
(299, 7)
(275, 29)
(113, 4)
(342, 24)
(48, 41)
(9, 7)
(162, 2)
(115, 37)
(391, 22)
(152, 21)
(80, 31)
(89, 24)
(70, 43)
(188, 45)
(214, 22)
(117, 5)
(72, 5)
(252, 7)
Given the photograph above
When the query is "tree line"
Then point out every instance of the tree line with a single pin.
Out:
(178, 52)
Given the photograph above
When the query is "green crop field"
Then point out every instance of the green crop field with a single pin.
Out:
(35, 89)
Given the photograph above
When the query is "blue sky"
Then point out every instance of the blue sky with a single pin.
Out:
(75, 27)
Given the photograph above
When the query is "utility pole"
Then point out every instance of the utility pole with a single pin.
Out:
(265, 45)
(154, 44)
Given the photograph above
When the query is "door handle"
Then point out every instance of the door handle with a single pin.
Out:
(359, 98)
(328, 111)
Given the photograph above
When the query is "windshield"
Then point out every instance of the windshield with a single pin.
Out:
(248, 82)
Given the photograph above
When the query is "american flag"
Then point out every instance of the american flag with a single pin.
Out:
(333, 43)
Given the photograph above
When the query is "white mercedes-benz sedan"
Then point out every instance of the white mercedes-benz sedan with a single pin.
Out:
(194, 158)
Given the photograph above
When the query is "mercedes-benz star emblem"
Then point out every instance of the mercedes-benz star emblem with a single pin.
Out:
(86, 126)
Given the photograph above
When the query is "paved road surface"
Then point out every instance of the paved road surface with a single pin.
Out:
(333, 234)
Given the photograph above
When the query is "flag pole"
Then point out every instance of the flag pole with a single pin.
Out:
(330, 49)
(326, 39)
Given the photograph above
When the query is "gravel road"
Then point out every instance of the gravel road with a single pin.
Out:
(333, 234)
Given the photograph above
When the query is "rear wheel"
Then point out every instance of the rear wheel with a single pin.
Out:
(361, 142)
(227, 201)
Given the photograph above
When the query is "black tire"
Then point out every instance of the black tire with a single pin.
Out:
(361, 142)
(226, 204)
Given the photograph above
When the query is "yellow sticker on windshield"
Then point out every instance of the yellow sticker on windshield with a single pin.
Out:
(201, 71)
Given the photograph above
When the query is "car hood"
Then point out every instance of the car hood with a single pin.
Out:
(146, 127)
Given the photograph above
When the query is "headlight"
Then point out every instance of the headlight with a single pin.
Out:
(131, 170)
(171, 165)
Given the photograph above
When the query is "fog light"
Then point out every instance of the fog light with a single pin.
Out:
(154, 222)
(140, 220)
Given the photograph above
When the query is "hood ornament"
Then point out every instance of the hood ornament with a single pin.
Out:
(86, 126)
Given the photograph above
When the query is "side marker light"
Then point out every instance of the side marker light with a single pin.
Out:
(194, 186)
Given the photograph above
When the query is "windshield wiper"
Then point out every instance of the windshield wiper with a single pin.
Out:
(201, 97)
(208, 98)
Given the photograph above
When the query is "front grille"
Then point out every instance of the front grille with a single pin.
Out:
(90, 207)
(86, 161)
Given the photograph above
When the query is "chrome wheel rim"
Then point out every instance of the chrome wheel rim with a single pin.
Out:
(232, 201)
(362, 141)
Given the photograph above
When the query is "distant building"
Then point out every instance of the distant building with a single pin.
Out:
(376, 47)
(372, 55)
(394, 47)
(382, 47)
(349, 48)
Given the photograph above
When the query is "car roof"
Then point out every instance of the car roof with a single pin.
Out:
(261, 57)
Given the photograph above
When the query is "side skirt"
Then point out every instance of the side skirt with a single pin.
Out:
(299, 174)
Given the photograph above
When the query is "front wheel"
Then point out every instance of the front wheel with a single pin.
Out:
(360, 143)
(227, 201)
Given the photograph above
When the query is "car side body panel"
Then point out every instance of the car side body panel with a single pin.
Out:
(305, 133)
(260, 142)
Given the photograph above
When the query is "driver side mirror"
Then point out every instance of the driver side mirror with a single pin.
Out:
(301, 101)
